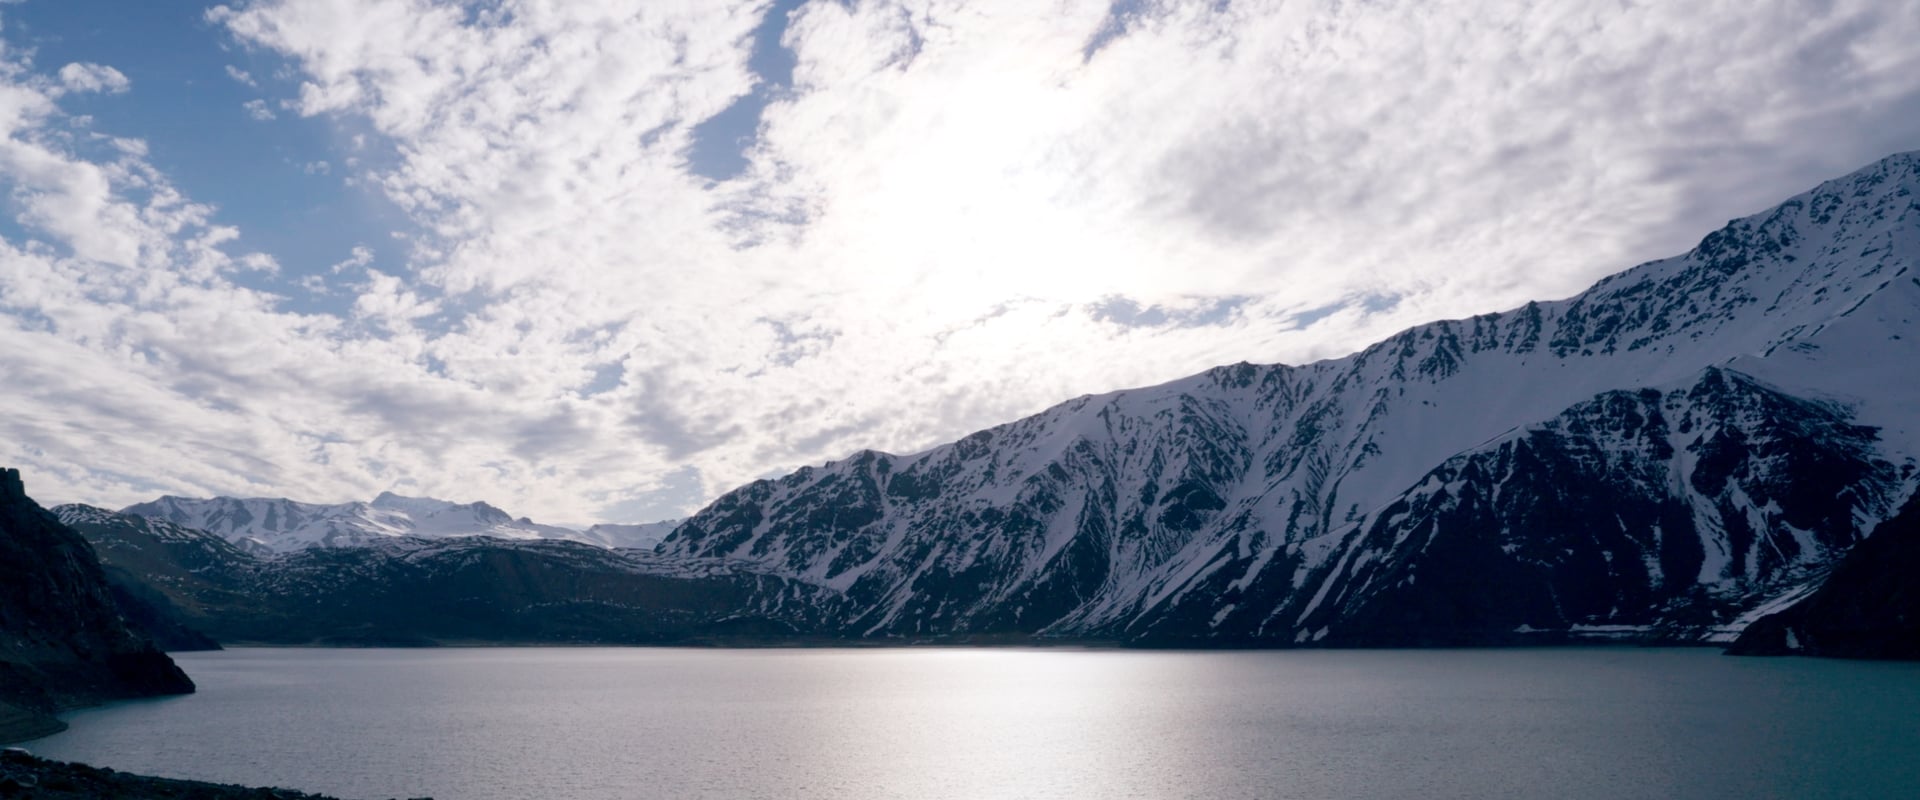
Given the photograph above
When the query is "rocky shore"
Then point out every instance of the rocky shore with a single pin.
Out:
(23, 774)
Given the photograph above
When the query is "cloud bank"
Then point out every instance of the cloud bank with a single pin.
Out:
(952, 214)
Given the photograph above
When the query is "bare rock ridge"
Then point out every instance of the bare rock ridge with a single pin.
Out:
(62, 641)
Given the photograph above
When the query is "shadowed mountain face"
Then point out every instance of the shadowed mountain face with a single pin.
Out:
(1650, 459)
(62, 640)
(1645, 512)
(1869, 607)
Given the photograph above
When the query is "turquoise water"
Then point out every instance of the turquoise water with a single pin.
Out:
(1006, 723)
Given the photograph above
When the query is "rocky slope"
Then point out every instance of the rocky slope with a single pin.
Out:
(1868, 607)
(410, 590)
(1685, 441)
(172, 574)
(62, 640)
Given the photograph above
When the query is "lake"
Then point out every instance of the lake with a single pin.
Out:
(1009, 723)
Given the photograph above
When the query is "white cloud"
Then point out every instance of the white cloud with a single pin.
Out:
(259, 262)
(955, 216)
(258, 110)
(73, 200)
(132, 147)
(314, 285)
(385, 299)
(241, 76)
(360, 256)
(83, 77)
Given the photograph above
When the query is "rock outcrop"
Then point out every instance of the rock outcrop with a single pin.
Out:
(63, 642)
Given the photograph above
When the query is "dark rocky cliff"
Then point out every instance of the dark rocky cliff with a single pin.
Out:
(63, 642)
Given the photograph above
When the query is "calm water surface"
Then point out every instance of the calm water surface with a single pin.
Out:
(998, 723)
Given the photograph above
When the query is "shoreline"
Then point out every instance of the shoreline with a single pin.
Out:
(23, 773)
(24, 725)
(985, 643)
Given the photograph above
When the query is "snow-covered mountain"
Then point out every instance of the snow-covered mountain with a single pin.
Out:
(1680, 443)
(266, 526)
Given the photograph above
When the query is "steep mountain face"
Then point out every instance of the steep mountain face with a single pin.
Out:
(1683, 441)
(411, 590)
(265, 526)
(1642, 513)
(62, 641)
(1868, 607)
(167, 575)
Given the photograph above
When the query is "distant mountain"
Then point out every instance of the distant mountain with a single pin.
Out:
(404, 590)
(1654, 458)
(62, 640)
(640, 537)
(276, 525)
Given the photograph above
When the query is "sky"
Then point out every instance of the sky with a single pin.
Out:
(603, 261)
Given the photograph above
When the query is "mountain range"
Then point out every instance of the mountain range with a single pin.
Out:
(265, 526)
(1683, 449)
